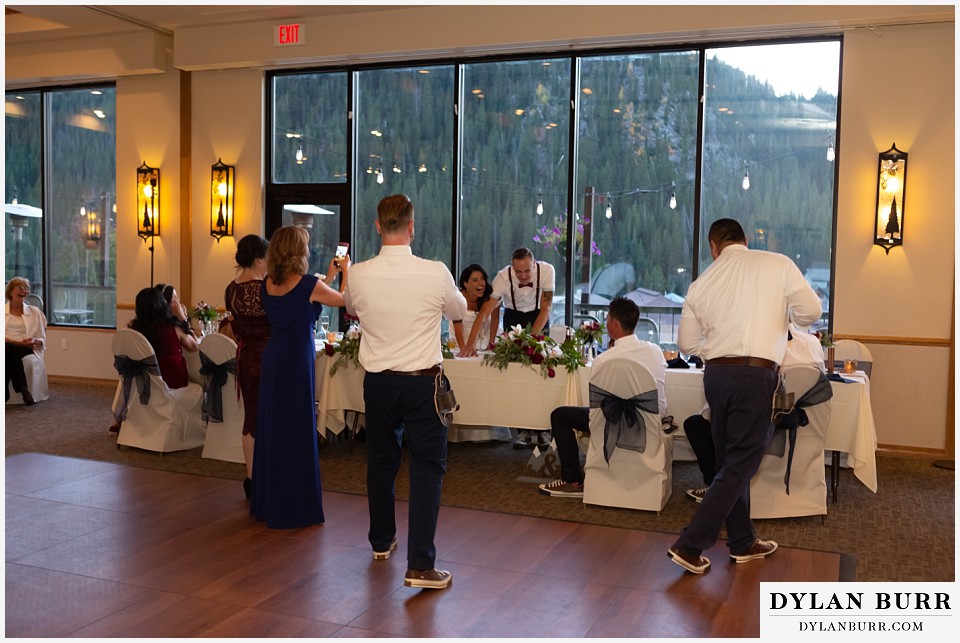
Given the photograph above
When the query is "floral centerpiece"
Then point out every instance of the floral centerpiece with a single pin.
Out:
(520, 346)
(590, 332)
(206, 315)
(204, 312)
(447, 347)
(347, 351)
(554, 237)
(826, 339)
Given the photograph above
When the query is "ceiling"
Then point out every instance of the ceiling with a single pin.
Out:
(30, 23)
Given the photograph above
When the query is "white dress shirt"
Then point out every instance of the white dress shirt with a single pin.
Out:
(526, 298)
(803, 350)
(399, 299)
(741, 305)
(648, 354)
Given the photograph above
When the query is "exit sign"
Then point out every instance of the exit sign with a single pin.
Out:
(287, 35)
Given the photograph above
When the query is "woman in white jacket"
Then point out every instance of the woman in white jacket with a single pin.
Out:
(25, 332)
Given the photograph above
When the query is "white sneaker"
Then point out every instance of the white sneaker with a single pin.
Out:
(697, 494)
(522, 441)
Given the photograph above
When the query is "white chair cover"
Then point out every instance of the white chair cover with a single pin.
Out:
(852, 349)
(808, 485)
(36, 373)
(631, 479)
(224, 440)
(171, 420)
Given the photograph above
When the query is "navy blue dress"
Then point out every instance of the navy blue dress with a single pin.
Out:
(286, 468)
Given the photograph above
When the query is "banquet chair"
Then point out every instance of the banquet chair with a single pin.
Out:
(158, 418)
(852, 349)
(36, 372)
(808, 487)
(34, 300)
(224, 438)
(629, 478)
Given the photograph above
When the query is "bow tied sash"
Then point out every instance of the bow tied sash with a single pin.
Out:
(214, 377)
(797, 417)
(624, 427)
(128, 369)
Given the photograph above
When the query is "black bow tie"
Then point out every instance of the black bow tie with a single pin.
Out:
(529, 285)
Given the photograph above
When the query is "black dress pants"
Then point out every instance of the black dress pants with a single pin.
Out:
(698, 433)
(14, 365)
(563, 421)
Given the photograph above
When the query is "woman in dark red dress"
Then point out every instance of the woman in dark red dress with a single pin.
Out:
(251, 330)
(168, 334)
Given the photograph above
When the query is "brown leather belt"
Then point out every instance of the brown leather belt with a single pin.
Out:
(768, 364)
(433, 370)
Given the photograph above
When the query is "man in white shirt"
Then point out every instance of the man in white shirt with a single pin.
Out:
(621, 322)
(735, 318)
(803, 349)
(399, 299)
(526, 288)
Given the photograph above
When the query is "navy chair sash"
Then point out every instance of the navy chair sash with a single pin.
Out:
(819, 393)
(214, 377)
(128, 369)
(623, 428)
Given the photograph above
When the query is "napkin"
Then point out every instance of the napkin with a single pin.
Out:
(835, 377)
(677, 362)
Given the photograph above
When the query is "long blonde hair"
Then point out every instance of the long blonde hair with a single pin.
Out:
(287, 253)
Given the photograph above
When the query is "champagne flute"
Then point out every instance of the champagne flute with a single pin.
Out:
(324, 326)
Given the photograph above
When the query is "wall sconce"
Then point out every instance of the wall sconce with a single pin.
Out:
(891, 193)
(148, 201)
(221, 200)
(91, 227)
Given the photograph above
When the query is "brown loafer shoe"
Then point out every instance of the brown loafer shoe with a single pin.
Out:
(427, 578)
(383, 555)
(693, 564)
(759, 549)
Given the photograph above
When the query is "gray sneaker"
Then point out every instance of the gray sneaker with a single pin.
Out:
(543, 439)
(522, 441)
(561, 489)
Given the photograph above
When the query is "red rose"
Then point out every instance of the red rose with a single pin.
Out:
(537, 358)
(517, 342)
(551, 372)
(328, 349)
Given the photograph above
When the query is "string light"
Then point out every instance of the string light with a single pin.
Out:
(830, 153)
(609, 212)
(379, 177)
(299, 155)
(673, 200)
(539, 206)
(746, 181)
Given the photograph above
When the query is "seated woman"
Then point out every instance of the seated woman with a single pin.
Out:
(476, 289)
(168, 333)
(25, 333)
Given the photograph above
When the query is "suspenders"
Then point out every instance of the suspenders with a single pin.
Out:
(513, 295)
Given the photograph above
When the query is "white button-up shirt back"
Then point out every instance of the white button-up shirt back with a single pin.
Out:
(741, 305)
(399, 299)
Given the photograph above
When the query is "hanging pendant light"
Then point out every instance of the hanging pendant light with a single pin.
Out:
(746, 181)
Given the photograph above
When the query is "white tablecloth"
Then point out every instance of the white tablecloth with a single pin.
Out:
(519, 397)
(851, 429)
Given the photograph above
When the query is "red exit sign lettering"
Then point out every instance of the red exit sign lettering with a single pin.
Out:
(286, 35)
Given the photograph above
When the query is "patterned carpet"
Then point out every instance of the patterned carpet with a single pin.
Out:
(912, 512)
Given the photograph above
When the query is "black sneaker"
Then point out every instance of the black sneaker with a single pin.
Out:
(562, 489)
(697, 494)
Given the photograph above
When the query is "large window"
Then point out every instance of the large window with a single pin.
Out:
(628, 156)
(61, 163)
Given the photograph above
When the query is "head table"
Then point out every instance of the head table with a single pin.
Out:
(521, 398)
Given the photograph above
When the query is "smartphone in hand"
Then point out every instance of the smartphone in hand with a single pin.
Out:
(342, 248)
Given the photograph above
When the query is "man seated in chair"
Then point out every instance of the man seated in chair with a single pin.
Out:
(621, 323)
(803, 349)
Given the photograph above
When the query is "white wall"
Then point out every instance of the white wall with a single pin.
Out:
(897, 85)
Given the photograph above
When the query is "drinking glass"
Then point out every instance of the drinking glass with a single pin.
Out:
(324, 326)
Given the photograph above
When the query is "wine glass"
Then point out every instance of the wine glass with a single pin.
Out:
(324, 326)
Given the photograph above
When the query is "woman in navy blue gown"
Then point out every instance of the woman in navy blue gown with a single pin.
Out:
(286, 468)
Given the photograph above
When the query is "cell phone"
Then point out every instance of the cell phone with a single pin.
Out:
(341, 252)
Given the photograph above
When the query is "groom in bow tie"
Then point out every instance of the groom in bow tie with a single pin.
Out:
(525, 287)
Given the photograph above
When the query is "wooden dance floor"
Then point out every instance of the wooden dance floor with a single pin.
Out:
(96, 549)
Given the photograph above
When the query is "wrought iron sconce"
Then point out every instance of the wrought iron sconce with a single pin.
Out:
(148, 201)
(148, 206)
(91, 226)
(221, 200)
(891, 195)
